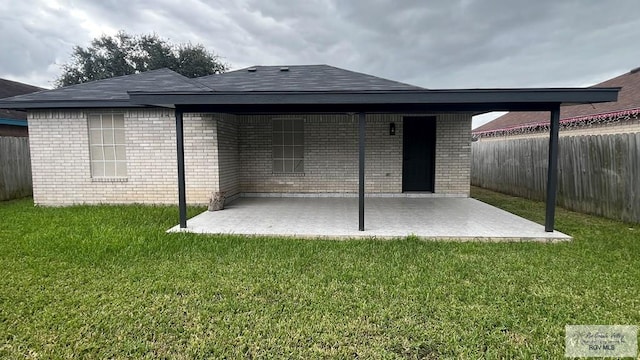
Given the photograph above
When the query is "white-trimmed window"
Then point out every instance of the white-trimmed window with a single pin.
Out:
(107, 146)
(288, 146)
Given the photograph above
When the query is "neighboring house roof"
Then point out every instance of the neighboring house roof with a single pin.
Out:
(12, 88)
(299, 78)
(627, 105)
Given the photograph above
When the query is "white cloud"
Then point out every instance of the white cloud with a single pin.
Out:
(480, 120)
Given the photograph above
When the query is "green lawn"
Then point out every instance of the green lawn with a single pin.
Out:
(108, 282)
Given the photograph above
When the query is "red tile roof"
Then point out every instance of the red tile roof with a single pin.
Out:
(628, 100)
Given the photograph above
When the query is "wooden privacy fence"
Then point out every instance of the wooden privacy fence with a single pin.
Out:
(15, 168)
(597, 174)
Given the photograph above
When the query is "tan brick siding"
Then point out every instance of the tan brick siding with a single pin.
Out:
(331, 155)
(60, 158)
(200, 157)
(62, 175)
(228, 157)
(453, 154)
(330, 152)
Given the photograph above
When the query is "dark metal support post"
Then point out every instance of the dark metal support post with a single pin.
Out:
(361, 123)
(552, 170)
(182, 193)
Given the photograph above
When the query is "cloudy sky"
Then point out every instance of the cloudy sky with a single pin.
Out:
(430, 43)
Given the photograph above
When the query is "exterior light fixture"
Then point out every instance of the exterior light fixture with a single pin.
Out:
(392, 128)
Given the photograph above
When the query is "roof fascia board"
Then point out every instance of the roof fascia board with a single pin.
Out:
(475, 96)
(370, 108)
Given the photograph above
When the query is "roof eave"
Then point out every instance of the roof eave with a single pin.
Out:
(470, 99)
(67, 104)
(465, 96)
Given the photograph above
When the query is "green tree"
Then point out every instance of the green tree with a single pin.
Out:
(124, 54)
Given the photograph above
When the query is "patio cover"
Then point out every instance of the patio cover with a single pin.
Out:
(363, 102)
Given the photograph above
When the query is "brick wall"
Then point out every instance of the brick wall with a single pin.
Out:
(331, 155)
(330, 158)
(61, 169)
(453, 154)
(200, 157)
(228, 156)
(62, 174)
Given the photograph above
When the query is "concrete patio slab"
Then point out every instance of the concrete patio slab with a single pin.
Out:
(461, 219)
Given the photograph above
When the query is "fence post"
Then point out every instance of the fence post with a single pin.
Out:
(552, 170)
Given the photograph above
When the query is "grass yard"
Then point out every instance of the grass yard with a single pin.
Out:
(108, 282)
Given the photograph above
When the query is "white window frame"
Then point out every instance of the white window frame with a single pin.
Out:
(107, 146)
(287, 146)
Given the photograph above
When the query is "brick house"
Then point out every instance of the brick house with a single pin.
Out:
(260, 131)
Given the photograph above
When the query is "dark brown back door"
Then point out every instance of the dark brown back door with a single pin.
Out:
(418, 152)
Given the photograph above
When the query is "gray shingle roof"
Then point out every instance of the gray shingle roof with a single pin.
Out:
(299, 78)
(116, 88)
(300, 85)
